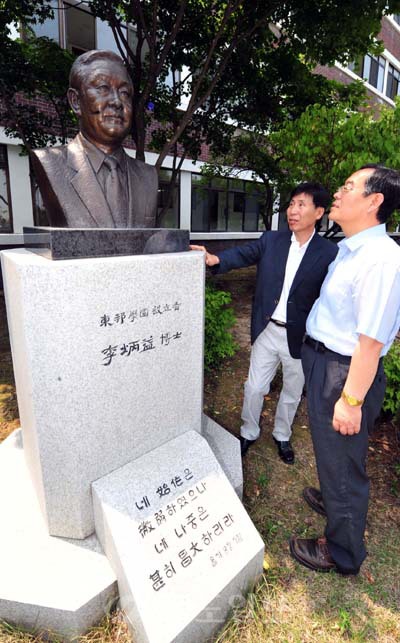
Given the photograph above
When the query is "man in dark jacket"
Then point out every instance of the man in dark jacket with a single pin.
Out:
(291, 266)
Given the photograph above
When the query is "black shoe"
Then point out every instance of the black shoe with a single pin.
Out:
(244, 445)
(285, 451)
(314, 554)
(313, 497)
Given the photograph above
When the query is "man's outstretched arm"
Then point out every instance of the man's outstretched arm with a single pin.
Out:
(211, 260)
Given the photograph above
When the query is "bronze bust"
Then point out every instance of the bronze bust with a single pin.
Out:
(92, 182)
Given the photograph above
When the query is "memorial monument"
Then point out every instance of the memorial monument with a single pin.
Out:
(116, 485)
(92, 182)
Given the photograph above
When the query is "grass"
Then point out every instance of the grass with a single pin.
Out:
(290, 604)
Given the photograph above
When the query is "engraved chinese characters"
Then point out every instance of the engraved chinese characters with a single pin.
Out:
(143, 344)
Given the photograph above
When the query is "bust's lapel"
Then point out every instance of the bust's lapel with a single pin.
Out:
(86, 186)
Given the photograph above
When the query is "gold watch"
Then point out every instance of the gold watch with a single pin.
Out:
(351, 401)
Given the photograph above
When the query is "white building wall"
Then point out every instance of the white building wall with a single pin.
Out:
(20, 190)
(21, 196)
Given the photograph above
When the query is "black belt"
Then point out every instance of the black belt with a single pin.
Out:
(278, 323)
(318, 347)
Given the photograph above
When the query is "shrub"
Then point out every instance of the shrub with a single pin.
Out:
(219, 318)
(391, 365)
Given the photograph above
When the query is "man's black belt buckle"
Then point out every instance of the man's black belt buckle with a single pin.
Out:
(319, 347)
(277, 322)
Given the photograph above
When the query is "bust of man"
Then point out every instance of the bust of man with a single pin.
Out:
(92, 182)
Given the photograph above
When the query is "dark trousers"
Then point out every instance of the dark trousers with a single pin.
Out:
(341, 459)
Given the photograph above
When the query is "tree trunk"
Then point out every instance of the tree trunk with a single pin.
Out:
(267, 208)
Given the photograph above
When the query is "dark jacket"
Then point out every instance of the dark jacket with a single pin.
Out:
(270, 253)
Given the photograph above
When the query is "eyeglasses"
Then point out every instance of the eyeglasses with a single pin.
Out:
(345, 188)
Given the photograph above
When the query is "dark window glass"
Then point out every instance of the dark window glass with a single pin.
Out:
(80, 30)
(168, 199)
(396, 18)
(49, 27)
(253, 221)
(217, 210)
(236, 205)
(200, 222)
(374, 71)
(105, 37)
(5, 201)
(371, 69)
(392, 86)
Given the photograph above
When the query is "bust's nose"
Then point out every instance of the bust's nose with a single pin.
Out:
(114, 98)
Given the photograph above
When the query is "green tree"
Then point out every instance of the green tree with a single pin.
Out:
(32, 68)
(271, 158)
(327, 144)
(229, 63)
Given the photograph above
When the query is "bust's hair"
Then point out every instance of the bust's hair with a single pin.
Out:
(79, 67)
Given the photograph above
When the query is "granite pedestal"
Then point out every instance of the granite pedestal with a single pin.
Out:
(108, 362)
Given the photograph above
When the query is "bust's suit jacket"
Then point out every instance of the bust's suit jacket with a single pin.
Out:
(73, 197)
(270, 253)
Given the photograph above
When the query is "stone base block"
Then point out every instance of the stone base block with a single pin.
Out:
(226, 449)
(46, 583)
(182, 546)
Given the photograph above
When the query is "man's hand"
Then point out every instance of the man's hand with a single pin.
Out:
(211, 260)
(363, 367)
(346, 418)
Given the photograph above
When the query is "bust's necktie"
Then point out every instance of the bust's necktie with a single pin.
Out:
(116, 194)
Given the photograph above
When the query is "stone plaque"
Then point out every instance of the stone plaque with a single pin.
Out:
(181, 544)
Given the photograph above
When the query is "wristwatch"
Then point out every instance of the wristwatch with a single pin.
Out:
(351, 401)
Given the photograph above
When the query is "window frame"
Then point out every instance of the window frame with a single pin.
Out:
(230, 193)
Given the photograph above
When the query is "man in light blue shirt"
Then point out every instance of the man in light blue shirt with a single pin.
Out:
(349, 329)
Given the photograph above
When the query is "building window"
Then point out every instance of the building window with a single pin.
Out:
(392, 84)
(75, 28)
(50, 27)
(226, 205)
(396, 18)
(168, 199)
(5, 199)
(80, 33)
(371, 69)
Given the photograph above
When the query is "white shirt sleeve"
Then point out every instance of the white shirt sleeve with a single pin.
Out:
(376, 296)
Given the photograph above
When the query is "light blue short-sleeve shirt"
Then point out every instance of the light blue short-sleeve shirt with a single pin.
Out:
(360, 294)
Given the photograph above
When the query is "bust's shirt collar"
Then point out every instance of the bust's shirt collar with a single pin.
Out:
(96, 155)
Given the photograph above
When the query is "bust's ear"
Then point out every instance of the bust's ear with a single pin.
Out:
(73, 99)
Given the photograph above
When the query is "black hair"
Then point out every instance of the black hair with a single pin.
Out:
(316, 191)
(78, 68)
(385, 181)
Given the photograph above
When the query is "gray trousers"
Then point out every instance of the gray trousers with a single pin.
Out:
(341, 459)
(269, 350)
